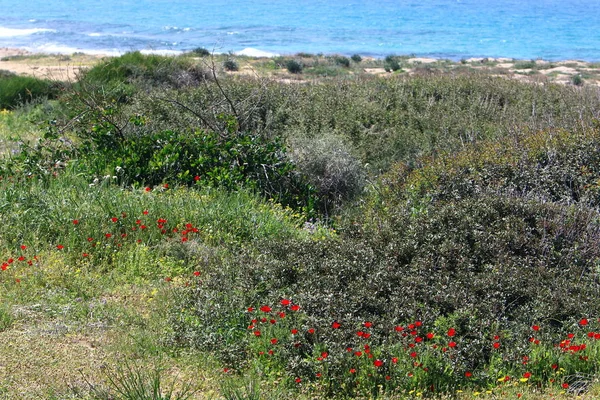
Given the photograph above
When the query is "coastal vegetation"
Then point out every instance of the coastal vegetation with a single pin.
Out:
(326, 233)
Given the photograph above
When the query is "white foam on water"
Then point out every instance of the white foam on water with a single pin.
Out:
(252, 52)
(10, 32)
(162, 52)
(54, 48)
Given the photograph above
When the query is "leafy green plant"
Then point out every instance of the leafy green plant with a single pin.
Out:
(230, 65)
(342, 61)
(293, 66)
(356, 58)
(201, 52)
(577, 80)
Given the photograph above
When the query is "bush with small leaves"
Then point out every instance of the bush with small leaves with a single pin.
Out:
(342, 61)
(231, 65)
(293, 66)
(201, 52)
(356, 58)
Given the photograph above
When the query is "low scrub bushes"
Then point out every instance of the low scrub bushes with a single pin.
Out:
(486, 268)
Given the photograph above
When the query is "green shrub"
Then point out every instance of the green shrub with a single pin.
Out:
(356, 58)
(525, 64)
(391, 63)
(342, 61)
(230, 65)
(293, 66)
(577, 80)
(18, 90)
(201, 52)
(329, 166)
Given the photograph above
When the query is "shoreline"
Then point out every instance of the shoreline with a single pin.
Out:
(66, 67)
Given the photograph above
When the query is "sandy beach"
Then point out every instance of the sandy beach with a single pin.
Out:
(47, 66)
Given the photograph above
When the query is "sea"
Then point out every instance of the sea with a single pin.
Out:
(452, 29)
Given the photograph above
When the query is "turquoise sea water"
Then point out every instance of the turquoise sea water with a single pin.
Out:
(455, 29)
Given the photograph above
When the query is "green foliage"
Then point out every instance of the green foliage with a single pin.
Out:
(391, 64)
(18, 90)
(230, 65)
(128, 381)
(525, 64)
(577, 80)
(330, 167)
(294, 67)
(342, 61)
(201, 52)
(356, 58)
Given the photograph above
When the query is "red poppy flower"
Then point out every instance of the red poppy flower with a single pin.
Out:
(256, 333)
(394, 360)
(387, 377)
(452, 344)
(285, 302)
(114, 219)
(29, 262)
(527, 375)
(366, 335)
(4, 267)
(265, 309)
(358, 353)
(535, 328)
(168, 279)
(430, 335)
(496, 337)
(411, 327)
(554, 366)
(298, 380)
(398, 328)
(281, 315)
(21, 258)
(591, 334)
(336, 325)
(360, 333)
(378, 363)
(147, 189)
(506, 378)
(166, 185)
(565, 385)
(145, 212)
(274, 341)
(571, 335)
(583, 322)
(23, 247)
(60, 247)
(352, 371)
(197, 178)
(413, 354)
(85, 254)
(497, 345)
(368, 324)
(197, 273)
(468, 374)
(272, 321)
(295, 307)
(311, 331)
(418, 323)
(294, 331)
(108, 235)
(10, 261)
(451, 332)
(418, 339)
(324, 354)
(318, 375)
(75, 221)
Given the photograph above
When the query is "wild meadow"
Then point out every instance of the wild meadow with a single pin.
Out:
(172, 229)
